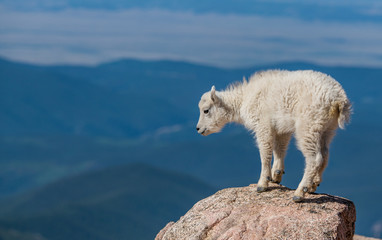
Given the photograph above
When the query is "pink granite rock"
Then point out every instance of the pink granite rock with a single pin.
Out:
(242, 213)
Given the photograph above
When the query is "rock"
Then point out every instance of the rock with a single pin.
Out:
(242, 213)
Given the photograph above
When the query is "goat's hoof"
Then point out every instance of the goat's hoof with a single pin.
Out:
(305, 189)
(279, 172)
(261, 189)
(276, 180)
(277, 176)
(312, 190)
(314, 187)
(297, 199)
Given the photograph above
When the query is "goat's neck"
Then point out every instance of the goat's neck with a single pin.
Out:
(232, 100)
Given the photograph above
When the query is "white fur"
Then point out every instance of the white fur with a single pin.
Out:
(274, 105)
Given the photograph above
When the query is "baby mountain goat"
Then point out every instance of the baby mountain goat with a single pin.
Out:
(274, 105)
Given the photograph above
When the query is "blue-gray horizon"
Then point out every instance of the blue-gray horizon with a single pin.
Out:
(94, 36)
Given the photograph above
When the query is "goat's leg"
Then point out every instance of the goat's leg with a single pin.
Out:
(310, 145)
(325, 142)
(265, 143)
(313, 164)
(279, 151)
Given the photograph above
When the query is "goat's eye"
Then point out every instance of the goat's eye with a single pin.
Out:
(206, 111)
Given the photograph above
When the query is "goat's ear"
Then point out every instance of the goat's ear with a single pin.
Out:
(214, 98)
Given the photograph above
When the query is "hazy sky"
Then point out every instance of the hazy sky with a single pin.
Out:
(85, 36)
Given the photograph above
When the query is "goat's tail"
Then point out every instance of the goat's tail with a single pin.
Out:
(344, 109)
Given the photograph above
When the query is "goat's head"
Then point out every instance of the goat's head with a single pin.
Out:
(213, 113)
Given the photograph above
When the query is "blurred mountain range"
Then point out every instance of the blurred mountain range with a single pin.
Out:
(65, 126)
(121, 99)
(129, 202)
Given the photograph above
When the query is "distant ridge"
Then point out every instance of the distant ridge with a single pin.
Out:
(121, 98)
(133, 200)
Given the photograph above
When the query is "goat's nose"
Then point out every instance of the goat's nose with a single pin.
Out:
(197, 129)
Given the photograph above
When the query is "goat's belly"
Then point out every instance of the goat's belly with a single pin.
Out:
(283, 124)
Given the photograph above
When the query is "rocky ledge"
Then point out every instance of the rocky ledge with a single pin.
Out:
(243, 213)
